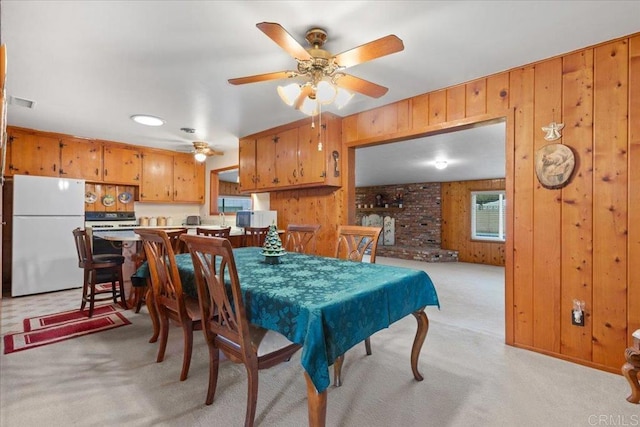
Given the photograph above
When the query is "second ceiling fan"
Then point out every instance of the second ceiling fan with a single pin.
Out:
(320, 67)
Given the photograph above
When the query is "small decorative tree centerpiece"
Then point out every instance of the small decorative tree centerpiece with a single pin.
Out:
(272, 249)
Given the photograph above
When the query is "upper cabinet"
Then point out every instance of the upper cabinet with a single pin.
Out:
(81, 158)
(122, 164)
(292, 156)
(188, 179)
(36, 153)
(171, 177)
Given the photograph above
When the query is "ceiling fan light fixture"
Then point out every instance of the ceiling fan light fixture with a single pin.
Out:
(200, 157)
(325, 92)
(289, 93)
(343, 97)
(440, 163)
(147, 120)
(310, 107)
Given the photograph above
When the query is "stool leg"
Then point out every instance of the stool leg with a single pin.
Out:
(121, 280)
(92, 288)
(85, 285)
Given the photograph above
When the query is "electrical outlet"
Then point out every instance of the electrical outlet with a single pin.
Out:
(577, 317)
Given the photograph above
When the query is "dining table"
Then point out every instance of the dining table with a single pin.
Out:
(325, 304)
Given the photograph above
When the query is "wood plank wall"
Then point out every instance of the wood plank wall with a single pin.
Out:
(578, 242)
(456, 222)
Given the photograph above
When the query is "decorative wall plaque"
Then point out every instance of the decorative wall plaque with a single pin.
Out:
(554, 165)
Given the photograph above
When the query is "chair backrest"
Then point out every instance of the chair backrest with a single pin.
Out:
(354, 241)
(174, 237)
(255, 236)
(301, 238)
(214, 232)
(163, 270)
(222, 309)
(83, 247)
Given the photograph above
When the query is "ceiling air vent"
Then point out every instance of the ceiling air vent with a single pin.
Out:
(21, 102)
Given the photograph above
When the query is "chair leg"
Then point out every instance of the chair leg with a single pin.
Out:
(187, 332)
(337, 371)
(367, 346)
(153, 313)
(214, 360)
(252, 394)
(164, 334)
(140, 292)
(631, 373)
(85, 286)
(92, 295)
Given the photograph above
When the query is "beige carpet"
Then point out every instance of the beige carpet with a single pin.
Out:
(471, 377)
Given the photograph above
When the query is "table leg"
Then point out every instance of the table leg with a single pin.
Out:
(421, 334)
(317, 404)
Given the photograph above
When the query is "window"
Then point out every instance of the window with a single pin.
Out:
(232, 204)
(488, 215)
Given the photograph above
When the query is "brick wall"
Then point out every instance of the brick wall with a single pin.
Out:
(418, 223)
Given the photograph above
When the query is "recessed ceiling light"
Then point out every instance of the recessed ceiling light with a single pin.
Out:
(147, 120)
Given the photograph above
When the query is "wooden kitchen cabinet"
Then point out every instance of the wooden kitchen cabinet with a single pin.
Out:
(288, 157)
(171, 177)
(42, 154)
(122, 164)
(157, 177)
(81, 158)
(247, 164)
(33, 154)
(188, 179)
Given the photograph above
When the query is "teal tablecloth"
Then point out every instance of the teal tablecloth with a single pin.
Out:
(325, 304)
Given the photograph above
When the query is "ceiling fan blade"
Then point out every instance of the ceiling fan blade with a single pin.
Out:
(212, 152)
(279, 35)
(372, 50)
(263, 77)
(362, 86)
(306, 91)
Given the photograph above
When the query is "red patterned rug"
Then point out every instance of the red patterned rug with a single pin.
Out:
(42, 330)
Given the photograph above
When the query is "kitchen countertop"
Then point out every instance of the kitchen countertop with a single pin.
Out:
(128, 234)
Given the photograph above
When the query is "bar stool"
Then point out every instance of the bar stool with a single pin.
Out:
(95, 265)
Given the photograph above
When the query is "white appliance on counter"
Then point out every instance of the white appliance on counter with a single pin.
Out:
(256, 218)
(45, 212)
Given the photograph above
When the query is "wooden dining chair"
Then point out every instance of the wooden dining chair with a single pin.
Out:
(301, 238)
(170, 301)
(225, 324)
(354, 242)
(255, 236)
(214, 232)
(142, 289)
(97, 268)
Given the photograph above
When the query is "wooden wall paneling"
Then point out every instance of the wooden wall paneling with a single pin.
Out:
(633, 273)
(508, 252)
(437, 107)
(497, 93)
(420, 111)
(402, 120)
(350, 128)
(576, 221)
(521, 98)
(371, 123)
(546, 214)
(456, 102)
(610, 203)
(476, 97)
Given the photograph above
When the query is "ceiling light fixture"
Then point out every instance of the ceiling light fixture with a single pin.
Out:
(200, 157)
(310, 96)
(440, 163)
(147, 120)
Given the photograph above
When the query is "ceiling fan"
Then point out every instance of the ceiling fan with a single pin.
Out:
(318, 65)
(201, 151)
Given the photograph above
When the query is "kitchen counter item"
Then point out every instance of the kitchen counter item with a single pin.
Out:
(193, 220)
(161, 221)
(144, 221)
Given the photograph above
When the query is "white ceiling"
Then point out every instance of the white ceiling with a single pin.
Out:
(90, 65)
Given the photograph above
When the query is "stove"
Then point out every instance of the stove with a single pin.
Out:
(110, 220)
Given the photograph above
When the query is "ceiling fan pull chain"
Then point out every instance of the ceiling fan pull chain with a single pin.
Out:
(319, 128)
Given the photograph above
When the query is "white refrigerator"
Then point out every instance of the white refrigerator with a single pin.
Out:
(45, 212)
